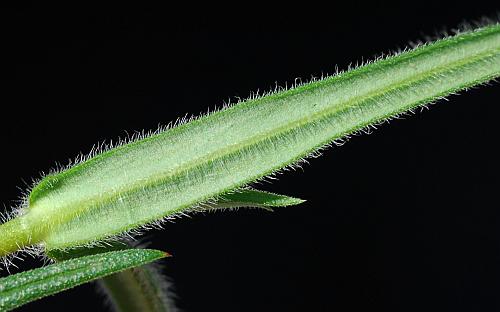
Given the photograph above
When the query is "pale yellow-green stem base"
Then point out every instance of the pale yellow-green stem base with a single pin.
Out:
(18, 234)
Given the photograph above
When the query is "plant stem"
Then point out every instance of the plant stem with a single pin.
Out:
(15, 235)
(138, 289)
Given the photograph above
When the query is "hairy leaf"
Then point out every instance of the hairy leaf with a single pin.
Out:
(172, 171)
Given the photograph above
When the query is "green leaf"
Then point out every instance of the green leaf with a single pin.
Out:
(254, 198)
(142, 288)
(78, 252)
(21, 288)
(168, 173)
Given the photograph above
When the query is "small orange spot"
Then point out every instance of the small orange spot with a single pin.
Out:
(167, 254)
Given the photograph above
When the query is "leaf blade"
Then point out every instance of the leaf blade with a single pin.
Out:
(253, 139)
(21, 288)
(194, 163)
(256, 199)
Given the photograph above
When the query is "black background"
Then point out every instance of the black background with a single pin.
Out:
(405, 219)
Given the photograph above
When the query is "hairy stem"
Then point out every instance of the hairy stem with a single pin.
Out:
(136, 290)
(17, 234)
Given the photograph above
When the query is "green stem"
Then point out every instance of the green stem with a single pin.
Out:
(135, 290)
(16, 234)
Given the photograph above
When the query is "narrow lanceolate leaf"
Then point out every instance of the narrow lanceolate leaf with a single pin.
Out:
(21, 288)
(142, 288)
(169, 172)
(254, 198)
